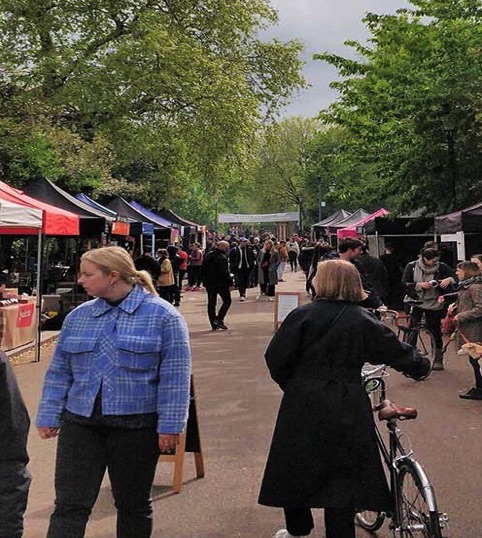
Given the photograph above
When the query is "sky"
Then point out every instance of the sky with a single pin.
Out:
(323, 25)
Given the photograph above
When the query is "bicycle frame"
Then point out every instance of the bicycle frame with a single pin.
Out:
(395, 456)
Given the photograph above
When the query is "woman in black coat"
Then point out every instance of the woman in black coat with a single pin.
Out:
(324, 453)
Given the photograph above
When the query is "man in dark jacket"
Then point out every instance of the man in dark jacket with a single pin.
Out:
(241, 263)
(146, 262)
(14, 476)
(218, 281)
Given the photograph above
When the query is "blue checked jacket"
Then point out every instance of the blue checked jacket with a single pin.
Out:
(138, 352)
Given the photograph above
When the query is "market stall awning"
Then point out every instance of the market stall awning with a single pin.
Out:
(465, 220)
(123, 208)
(152, 215)
(336, 217)
(16, 219)
(55, 221)
(92, 221)
(176, 219)
(353, 229)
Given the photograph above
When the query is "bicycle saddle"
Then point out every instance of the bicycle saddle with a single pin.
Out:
(387, 410)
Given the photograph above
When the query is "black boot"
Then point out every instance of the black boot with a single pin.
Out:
(438, 363)
(472, 394)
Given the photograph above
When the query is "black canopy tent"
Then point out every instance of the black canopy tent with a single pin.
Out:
(462, 228)
(92, 223)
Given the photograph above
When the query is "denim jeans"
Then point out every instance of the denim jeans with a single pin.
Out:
(84, 453)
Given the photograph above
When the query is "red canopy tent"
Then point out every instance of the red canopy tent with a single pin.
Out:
(351, 231)
(55, 221)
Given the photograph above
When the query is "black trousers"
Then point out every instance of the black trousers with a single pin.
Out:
(339, 522)
(225, 295)
(84, 453)
(194, 275)
(434, 318)
(14, 485)
(243, 278)
(293, 259)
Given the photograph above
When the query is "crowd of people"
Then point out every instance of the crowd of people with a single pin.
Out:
(116, 392)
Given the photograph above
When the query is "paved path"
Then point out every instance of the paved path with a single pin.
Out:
(237, 404)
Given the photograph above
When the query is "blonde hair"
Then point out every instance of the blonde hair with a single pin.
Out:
(339, 280)
(110, 259)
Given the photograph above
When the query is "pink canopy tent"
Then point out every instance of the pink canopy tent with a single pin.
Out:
(351, 231)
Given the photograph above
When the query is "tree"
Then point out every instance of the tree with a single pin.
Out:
(418, 63)
(174, 88)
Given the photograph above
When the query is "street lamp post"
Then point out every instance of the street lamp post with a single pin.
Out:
(300, 214)
(448, 121)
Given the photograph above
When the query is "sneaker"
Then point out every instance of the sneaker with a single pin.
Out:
(215, 328)
(221, 325)
(283, 533)
(472, 394)
(271, 298)
(177, 304)
(242, 299)
(258, 297)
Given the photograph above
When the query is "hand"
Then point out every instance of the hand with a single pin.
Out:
(47, 432)
(441, 299)
(425, 285)
(446, 282)
(168, 441)
(452, 307)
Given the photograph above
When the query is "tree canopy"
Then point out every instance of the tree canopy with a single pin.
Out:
(153, 96)
(420, 68)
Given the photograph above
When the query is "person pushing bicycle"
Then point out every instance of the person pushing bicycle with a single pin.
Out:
(425, 279)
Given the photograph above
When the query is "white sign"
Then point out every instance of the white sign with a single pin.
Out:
(285, 303)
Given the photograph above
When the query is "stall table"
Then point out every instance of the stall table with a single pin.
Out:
(18, 324)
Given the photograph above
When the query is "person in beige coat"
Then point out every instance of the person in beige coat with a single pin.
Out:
(165, 282)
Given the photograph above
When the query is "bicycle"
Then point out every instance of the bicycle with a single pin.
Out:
(415, 507)
(415, 333)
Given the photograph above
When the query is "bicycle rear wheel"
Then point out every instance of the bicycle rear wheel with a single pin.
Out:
(418, 514)
(370, 521)
(425, 345)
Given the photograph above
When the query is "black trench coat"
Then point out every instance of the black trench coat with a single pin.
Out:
(324, 452)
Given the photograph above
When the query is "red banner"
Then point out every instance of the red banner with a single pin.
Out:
(120, 228)
(25, 315)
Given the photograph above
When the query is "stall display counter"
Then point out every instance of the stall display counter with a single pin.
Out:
(18, 323)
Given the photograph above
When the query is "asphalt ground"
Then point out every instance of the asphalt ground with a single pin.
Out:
(237, 404)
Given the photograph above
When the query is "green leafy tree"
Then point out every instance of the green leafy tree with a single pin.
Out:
(418, 65)
(173, 89)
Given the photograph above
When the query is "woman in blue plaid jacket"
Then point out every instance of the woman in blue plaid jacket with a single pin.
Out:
(116, 393)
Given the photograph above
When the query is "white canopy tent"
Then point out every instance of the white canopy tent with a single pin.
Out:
(16, 219)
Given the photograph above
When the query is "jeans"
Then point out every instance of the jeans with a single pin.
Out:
(339, 522)
(14, 485)
(225, 295)
(83, 455)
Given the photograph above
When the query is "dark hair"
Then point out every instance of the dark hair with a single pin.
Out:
(350, 243)
(430, 244)
(429, 253)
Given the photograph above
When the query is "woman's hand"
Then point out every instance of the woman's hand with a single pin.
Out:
(47, 432)
(168, 441)
(441, 299)
(445, 282)
(425, 285)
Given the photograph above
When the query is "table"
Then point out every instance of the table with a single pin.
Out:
(18, 324)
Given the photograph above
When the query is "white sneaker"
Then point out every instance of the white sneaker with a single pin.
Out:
(271, 298)
(242, 299)
(283, 533)
(258, 297)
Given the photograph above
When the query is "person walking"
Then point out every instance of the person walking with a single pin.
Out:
(268, 262)
(166, 281)
(218, 281)
(425, 279)
(194, 268)
(293, 250)
(184, 257)
(324, 452)
(241, 263)
(283, 254)
(14, 475)
(116, 393)
(176, 260)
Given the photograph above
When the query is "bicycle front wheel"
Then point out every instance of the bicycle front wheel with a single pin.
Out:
(425, 345)
(370, 521)
(417, 511)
